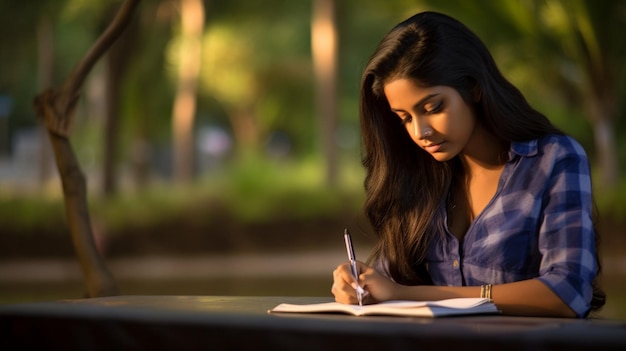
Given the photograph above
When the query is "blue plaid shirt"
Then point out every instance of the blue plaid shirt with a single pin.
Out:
(538, 225)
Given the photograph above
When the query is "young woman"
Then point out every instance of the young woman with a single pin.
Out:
(470, 191)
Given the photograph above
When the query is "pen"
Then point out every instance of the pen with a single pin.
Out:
(352, 258)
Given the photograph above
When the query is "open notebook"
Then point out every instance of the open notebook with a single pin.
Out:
(440, 308)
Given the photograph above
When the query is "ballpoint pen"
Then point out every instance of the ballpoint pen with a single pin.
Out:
(359, 290)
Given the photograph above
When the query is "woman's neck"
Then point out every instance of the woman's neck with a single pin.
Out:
(484, 152)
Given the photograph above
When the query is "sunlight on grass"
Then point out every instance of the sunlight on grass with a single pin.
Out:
(251, 190)
(255, 190)
(265, 190)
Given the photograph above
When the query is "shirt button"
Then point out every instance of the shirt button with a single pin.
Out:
(455, 263)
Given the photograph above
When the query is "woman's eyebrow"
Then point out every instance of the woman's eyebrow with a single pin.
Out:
(419, 103)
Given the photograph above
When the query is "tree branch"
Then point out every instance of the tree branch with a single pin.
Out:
(66, 98)
(56, 108)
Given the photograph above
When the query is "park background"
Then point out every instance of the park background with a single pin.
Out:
(226, 160)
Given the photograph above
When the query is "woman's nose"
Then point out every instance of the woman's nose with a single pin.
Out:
(421, 131)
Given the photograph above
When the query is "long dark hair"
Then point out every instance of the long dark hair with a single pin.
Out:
(405, 187)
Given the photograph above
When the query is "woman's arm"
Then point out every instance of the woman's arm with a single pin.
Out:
(523, 298)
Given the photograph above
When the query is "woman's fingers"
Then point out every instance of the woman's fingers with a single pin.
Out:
(345, 284)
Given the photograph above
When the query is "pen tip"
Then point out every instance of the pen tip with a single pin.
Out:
(345, 231)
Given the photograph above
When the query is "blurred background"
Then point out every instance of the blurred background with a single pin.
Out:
(220, 139)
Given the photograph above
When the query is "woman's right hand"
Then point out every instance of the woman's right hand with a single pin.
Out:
(377, 286)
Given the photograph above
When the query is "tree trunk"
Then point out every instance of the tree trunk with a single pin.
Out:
(192, 25)
(324, 49)
(601, 111)
(605, 144)
(245, 129)
(117, 61)
(602, 105)
(99, 280)
(45, 70)
(56, 109)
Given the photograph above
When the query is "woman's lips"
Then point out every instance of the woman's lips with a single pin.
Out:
(432, 148)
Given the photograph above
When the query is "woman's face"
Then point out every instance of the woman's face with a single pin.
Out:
(437, 118)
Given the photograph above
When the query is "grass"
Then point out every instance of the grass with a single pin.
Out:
(251, 191)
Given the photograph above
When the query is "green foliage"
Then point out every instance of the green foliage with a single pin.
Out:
(611, 202)
(263, 191)
(30, 214)
(257, 63)
(272, 42)
(254, 191)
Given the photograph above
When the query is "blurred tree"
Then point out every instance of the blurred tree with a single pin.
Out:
(45, 70)
(146, 95)
(231, 77)
(569, 50)
(19, 75)
(189, 57)
(257, 69)
(56, 108)
(591, 61)
(324, 47)
(118, 60)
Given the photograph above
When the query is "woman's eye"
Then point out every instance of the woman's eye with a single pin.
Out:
(405, 119)
(434, 108)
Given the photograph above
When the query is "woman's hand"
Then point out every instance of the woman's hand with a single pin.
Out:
(377, 286)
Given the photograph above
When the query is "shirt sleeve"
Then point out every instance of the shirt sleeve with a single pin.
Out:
(566, 236)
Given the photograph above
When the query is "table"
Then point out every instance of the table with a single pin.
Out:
(242, 322)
